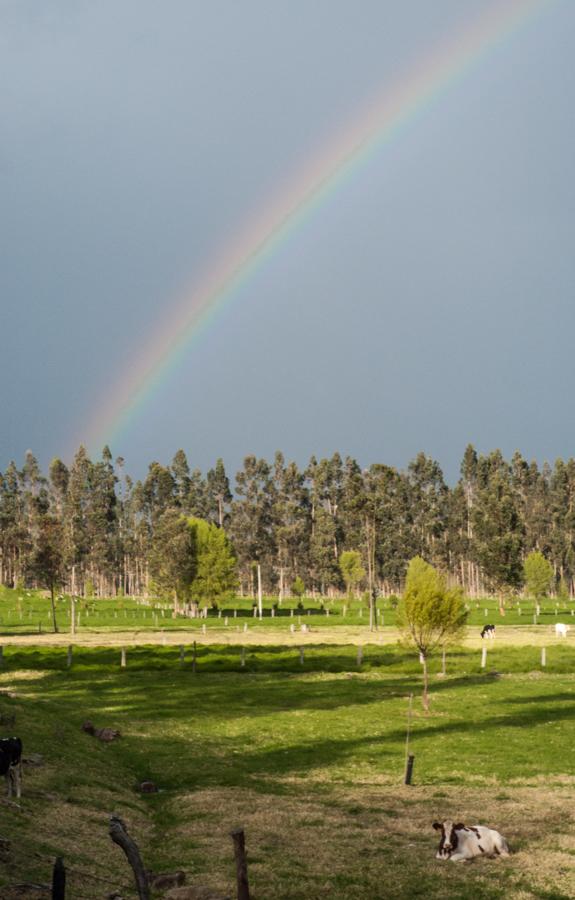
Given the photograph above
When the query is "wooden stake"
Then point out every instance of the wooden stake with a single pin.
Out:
(59, 880)
(239, 840)
(409, 768)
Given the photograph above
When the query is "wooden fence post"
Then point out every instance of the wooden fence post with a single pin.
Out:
(483, 656)
(543, 656)
(239, 840)
(123, 658)
(409, 768)
(58, 880)
(120, 836)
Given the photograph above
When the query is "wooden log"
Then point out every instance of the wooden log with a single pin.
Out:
(239, 840)
(120, 836)
(59, 880)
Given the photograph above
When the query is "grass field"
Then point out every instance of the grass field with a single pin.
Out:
(29, 612)
(308, 759)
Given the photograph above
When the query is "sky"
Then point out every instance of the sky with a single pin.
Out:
(426, 304)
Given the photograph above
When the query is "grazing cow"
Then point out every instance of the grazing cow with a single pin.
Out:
(488, 631)
(11, 764)
(561, 629)
(460, 842)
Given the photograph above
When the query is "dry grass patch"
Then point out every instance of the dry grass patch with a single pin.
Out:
(374, 841)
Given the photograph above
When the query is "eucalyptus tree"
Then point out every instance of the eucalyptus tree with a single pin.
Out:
(291, 521)
(252, 521)
(76, 541)
(46, 561)
(218, 495)
(14, 536)
(428, 497)
(497, 527)
(180, 472)
(172, 556)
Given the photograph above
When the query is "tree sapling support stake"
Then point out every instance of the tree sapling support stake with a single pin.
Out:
(407, 737)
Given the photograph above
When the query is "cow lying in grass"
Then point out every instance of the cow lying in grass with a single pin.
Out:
(460, 842)
(11, 764)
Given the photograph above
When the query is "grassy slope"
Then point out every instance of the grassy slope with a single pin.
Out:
(310, 762)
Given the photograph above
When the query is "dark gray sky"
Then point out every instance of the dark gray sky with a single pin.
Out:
(428, 303)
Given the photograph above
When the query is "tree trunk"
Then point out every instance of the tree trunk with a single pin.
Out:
(53, 602)
(425, 697)
(260, 599)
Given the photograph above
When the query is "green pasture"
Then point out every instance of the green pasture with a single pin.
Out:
(309, 759)
(29, 612)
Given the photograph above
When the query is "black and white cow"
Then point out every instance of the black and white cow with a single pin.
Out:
(11, 764)
(488, 631)
(460, 842)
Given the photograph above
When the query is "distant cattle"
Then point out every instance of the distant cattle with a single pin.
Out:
(488, 631)
(11, 764)
(561, 629)
(460, 842)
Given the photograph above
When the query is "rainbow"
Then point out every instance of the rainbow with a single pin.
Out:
(379, 124)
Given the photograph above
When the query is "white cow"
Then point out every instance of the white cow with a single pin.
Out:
(561, 629)
(460, 842)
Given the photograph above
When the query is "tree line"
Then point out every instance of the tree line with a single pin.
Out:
(102, 532)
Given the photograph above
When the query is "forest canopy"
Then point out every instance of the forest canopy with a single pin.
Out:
(296, 525)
